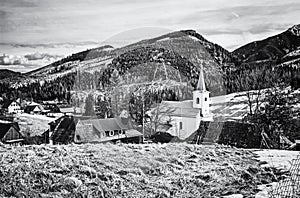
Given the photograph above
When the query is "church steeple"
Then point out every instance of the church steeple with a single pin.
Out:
(201, 83)
(201, 96)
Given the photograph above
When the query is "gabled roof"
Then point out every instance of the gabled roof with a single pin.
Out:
(132, 133)
(5, 126)
(31, 108)
(14, 102)
(64, 130)
(6, 104)
(180, 108)
(108, 124)
(33, 104)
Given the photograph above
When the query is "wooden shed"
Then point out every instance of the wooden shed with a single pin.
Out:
(10, 133)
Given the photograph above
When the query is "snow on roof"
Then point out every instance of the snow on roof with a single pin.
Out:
(180, 108)
(132, 133)
(5, 122)
(33, 104)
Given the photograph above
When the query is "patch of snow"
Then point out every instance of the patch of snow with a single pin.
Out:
(234, 196)
(36, 116)
(295, 30)
(108, 49)
(292, 63)
(238, 106)
(281, 159)
(194, 38)
(293, 53)
(265, 189)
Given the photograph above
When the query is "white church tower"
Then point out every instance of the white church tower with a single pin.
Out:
(201, 98)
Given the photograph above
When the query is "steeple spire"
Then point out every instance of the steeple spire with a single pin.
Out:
(201, 83)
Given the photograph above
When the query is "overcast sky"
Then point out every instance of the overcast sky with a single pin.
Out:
(36, 32)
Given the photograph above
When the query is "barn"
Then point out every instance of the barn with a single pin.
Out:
(10, 133)
(62, 130)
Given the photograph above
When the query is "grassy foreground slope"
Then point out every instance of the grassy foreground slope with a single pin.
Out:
(128, 170)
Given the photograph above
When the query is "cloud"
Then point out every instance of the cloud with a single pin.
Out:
(51, 45)
(57, 22)
(253, 29)
(45, 56)
(19, 3)
(229, 14)
(12, 60)
(3, 14)
(36, 59)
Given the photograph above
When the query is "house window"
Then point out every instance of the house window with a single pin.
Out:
(197, 100)
(116, 132)
(180, 125)
(205, 99)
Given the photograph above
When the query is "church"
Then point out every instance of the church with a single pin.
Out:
(184, 117)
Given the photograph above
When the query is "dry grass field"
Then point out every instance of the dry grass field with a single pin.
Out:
(130, 170)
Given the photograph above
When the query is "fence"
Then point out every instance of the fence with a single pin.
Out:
(289, 187)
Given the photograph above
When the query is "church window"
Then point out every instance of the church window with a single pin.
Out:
(180, 125)
(197, 100)
(205, 99)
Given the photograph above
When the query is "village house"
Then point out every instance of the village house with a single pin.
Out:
(10, 133)
(34, 108)
(184, 117)
(104, 130)
(14, 107)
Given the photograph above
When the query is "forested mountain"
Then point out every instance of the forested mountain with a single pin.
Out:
(165, 67)
(6, 73)
(280, 48)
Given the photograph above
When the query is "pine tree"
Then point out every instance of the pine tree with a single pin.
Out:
(89, 105)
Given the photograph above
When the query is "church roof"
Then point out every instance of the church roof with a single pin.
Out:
(181, 108)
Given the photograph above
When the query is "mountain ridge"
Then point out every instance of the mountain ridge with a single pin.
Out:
(272, 48)
(173, 58)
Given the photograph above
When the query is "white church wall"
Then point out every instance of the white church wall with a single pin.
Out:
(185, 129)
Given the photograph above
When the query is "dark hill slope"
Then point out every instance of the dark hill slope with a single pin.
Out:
(6, 73)
(271, 49)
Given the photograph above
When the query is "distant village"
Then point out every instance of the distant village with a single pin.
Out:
(56, 122)
(193, 121)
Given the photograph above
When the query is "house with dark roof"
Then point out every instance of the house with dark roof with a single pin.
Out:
(105, 130)
(34, 108)
(10, 133)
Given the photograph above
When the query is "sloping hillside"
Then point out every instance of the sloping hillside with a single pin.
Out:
(171, 62)
(274, 48)
(107, 170)
(5, 73)
(176, 56)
